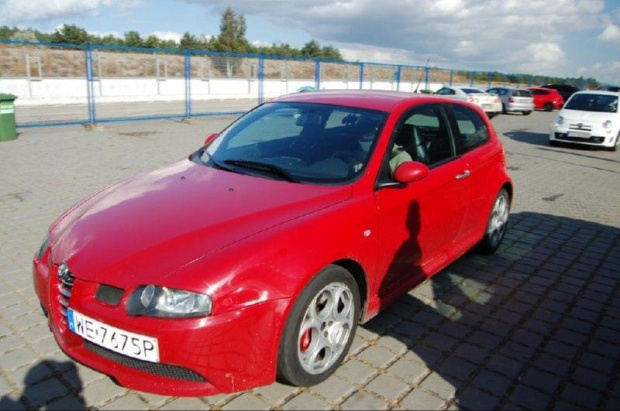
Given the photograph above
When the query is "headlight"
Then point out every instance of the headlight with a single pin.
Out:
(155, 301)
(608, 124)
(43, 247)
(559, 120)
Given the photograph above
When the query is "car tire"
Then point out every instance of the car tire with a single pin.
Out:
(504, 111)
(548, 107)
(553, 143)
(324, 316)
(496, 226)
(526, 113)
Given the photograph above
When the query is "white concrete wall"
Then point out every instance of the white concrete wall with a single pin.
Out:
(109, 90)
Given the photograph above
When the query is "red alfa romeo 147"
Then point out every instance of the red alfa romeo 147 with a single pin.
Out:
(256, 257)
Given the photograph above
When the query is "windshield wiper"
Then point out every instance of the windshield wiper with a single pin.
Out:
(269, 168)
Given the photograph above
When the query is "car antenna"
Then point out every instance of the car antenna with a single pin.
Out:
(420, 79)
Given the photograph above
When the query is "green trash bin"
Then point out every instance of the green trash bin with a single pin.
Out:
(7, 117)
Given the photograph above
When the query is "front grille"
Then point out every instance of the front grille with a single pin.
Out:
(65, 285)
(109, 295)
(580, 127)
(593, 140)
(162, 370)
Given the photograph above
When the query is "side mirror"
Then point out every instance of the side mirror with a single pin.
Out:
(210, 138)
(410, 172)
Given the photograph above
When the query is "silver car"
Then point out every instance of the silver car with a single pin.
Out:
(514, 100)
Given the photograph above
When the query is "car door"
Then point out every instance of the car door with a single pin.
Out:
(420, 222)
(480, 156)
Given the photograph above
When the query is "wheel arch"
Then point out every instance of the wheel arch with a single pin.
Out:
(358, 273)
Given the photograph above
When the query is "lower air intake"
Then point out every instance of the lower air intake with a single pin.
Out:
(161, 370)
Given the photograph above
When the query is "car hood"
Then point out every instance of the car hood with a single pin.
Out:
(586, 116)
(148, 226)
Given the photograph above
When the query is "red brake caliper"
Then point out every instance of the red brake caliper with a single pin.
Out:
(304, 341)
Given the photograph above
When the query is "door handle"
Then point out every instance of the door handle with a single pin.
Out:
(465, 174)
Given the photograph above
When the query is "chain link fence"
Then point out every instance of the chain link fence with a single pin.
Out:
(68, 84)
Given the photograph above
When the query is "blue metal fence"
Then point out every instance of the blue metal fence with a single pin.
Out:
(125, 83)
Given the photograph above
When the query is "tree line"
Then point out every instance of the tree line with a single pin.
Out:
(230, 39)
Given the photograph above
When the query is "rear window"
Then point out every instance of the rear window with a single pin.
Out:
(472, 91)
(521, 93)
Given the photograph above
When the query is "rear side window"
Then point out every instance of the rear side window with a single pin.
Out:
(471, 130)
(521, 93)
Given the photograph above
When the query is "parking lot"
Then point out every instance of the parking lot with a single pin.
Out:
(535, 326)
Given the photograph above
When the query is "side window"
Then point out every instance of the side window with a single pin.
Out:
(471, 130)
(445, 91)
(423, 136)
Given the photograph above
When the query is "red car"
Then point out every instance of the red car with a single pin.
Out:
(546, 98)
(257, 256)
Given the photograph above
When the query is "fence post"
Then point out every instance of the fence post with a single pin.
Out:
(427, 76)
(488, 80)
(471, 78)
(188, 84)
(261, 80)
(90, 89)
(317, 74)
(361, 76)
(398, 73)
(451, 76)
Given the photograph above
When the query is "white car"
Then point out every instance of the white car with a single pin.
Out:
(490, 103)
(588, 117)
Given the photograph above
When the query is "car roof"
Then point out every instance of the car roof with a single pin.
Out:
(602, 92)
(370, 99)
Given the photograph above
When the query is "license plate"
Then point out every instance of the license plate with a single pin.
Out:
(579, 134)
(487, 106)
(121, 341)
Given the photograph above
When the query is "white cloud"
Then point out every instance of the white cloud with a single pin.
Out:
(168, 35)
(13, 12)
(611, 33)
(469, 34)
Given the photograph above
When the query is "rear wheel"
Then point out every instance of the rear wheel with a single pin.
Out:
(526, 113)
(554, 143)
(498, 220)
(504, 109)
(548, 107)
(320, 328)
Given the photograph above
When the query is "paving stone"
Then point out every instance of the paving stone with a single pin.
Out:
(530, 398)
(276, 393)
(581, 396)
(591, 379)
(475, 399)
(438, 385)
(334, 389)
(45, 392)
(387, 387)
(542, 380)
(396, 345)
(185, 403)
(378, 357)
(410, 372)
(424, 355)
(421, 400)
(505, 366)
(596, 362)
(101, 392)
(246, 401)
(305, 401)
(492, 382)
(362, 400)
(355, 371)
(69, 402)
(17, 358)
(128, 402)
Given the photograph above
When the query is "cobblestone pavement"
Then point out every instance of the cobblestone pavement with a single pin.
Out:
(535, 326)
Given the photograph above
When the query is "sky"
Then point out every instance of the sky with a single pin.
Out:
(567, 38)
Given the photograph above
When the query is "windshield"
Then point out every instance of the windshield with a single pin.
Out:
(593, 102)
(298, 142)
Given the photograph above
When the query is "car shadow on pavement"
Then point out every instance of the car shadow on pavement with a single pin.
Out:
(522, 136)
(533, 326)
(48, 385)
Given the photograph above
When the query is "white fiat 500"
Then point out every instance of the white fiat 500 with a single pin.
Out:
(589, 117)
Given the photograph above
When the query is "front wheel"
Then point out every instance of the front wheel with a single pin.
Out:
(496, 227)
(320, 328)
(548, 107)
(526, 113)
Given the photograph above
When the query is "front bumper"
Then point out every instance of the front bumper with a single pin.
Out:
(229, 352)
(597, 137)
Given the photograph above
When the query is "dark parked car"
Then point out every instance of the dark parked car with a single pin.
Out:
(563, 89)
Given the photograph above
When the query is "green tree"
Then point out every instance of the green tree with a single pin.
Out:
(331, 53)
(133, 39)
(232, 33)
(189, 42)
(152, 42)
(311, 49)
(70, 33)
